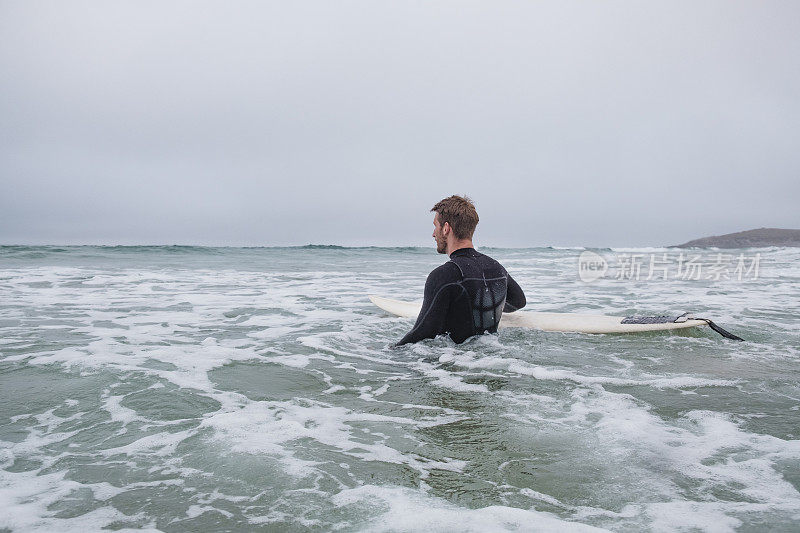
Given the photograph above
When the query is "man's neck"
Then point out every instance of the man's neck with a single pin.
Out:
(457, 245)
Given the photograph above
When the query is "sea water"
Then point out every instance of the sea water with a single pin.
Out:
(255, 389)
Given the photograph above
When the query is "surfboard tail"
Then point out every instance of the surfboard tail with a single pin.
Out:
(663, 319)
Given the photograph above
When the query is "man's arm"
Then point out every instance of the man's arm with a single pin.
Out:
(515, 298)
(432, 316)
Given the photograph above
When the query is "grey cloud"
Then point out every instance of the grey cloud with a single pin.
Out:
(613, 123)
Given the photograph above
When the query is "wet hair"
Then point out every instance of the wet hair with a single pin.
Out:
(460, 213)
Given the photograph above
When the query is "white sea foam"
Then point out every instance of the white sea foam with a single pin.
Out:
(641, 249)
(473, 362)
(25, 498)
(264, 427)
(689, 445)
(401, 509)
(700, 449)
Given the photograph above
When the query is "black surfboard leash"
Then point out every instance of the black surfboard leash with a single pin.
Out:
(724, 333)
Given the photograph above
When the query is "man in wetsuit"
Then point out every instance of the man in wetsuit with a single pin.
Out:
(467, 295)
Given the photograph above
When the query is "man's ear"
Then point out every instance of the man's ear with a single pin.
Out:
(446, 228)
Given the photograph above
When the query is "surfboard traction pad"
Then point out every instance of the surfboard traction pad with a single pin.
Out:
(661, 319)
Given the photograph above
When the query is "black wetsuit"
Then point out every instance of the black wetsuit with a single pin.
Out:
(464, 297)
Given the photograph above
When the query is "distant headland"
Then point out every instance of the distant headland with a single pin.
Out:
(754, 238)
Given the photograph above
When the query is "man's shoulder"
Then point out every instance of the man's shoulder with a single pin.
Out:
(486, 257)
(445, 272)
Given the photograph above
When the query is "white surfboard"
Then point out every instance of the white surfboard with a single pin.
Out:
(566, 322)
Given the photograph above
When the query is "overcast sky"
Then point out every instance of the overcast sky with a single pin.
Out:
(595, 123)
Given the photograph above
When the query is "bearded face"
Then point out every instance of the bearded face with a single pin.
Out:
(438, 235)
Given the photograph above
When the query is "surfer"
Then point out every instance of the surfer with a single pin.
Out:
(467, 295)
